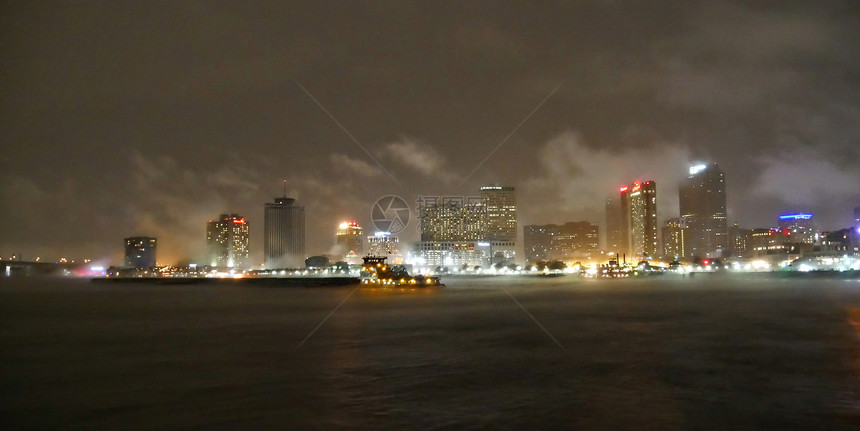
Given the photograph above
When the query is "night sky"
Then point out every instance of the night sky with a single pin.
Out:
(150, 118)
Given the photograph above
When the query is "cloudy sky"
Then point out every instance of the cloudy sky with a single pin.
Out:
(149, 118)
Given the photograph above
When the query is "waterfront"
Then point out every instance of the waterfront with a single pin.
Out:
(657, 353)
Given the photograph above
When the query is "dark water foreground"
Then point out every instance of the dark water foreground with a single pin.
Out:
(635, 354)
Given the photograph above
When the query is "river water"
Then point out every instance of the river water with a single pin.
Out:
(481, 353)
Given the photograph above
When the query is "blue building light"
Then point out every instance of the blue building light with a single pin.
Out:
(800, 216)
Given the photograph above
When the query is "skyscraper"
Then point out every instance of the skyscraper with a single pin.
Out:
(623, 220)
(613, 225)
(501, 213)
(350, 237)
(284, 234)
(382, 244)
(703, 207)
(227, 241)
(140, 252)
(675, 238)
(643, 219)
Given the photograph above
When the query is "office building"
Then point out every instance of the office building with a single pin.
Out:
(501, 213)
(702, 199)
(382, 244)
(642, 207)
(284, 234)
(623, 220)
(227, 241)
(575, 241)
(452, 218)
(674, 238)
(140, 252)
(798, 227)
(350, 237)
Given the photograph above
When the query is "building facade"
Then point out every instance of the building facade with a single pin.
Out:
(799, 227)
(501, 213)
(702, 198)
(227, 241)
(675, 239)
(350, 238)
(537, 241)
(643, 219)
(140, 252)
(284, 234)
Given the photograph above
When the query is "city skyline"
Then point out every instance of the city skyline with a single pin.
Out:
(133, 127)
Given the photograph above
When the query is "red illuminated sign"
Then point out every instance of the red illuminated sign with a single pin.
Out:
(239, 221)
(623, 189)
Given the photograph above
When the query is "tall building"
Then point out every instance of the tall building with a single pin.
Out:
(284, 234)
(455, 229)
(382, 244)
(227, 241)
(739, 243)
(798, 227)
(623, 220)
(350, 237)
(675, 238)
(501, 213)
(613, 225)
(857, 219)
(702, 199)
(643, 219)
(452, 219)
(576, 241)
(537, 241)
(140, 252)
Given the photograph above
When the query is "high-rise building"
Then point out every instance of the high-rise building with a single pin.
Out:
(454, 229)
(702, 199)
(284, 234)
(624, 220)
(857, 219)
(501, 213)
(382, 244)
(227, 241)
(350, 237)
(452, 219)
(643, 219)
(140, 252)
(575, 241)
(675, 238)
(798, 227)
(613, 225)
(739, 243)
(537, 241)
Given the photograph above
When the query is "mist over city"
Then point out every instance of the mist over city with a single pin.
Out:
(585, 214)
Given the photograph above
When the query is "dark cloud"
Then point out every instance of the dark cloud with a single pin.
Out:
(140, 118)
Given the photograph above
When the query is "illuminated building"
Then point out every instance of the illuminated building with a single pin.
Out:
(227, 241)
(452, 218)
(570, 241)
(349, 237)
(798, 226)
(675, 238)
(642, 204)
(382, 244)
(456, 231)
(623, 220)
(575, 241)
(702, 199)
(284, 234)
(140, 252)
(739, 243)
(501, 213)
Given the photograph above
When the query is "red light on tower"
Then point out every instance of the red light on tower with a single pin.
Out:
(623, 189)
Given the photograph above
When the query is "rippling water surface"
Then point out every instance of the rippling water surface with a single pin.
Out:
(516, 353)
